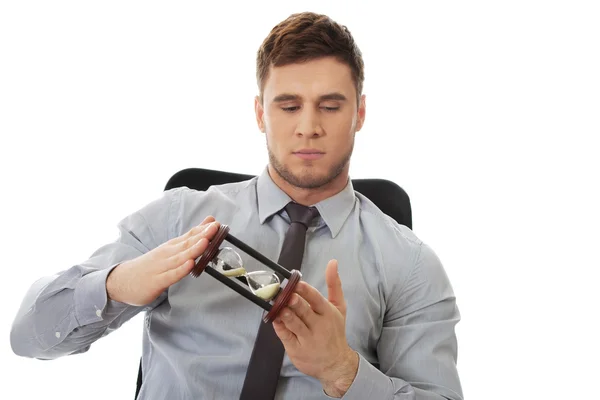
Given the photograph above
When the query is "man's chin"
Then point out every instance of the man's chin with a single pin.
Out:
(303, 176)
(307, 179)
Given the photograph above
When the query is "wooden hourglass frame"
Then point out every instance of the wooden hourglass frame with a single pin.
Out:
(280, 299)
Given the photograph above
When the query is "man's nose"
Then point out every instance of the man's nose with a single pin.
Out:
(309, 123)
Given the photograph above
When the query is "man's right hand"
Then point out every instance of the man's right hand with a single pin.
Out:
(140, 281)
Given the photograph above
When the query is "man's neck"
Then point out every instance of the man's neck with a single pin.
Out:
(308, 197)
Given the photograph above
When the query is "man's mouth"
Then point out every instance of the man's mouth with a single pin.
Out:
(309, 154)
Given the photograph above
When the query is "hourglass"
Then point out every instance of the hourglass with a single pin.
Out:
(269, 290)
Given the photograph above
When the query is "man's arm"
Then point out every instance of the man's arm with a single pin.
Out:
(417, 349)
(64, 314)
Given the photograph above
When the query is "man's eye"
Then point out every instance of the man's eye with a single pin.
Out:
(330, 109)
(290, 109)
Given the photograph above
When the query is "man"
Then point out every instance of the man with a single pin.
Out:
(375, 314)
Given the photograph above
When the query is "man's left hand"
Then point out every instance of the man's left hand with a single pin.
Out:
(313, 332)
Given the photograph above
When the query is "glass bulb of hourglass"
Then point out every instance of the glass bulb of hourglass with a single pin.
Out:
(228, 262)
(263, 284)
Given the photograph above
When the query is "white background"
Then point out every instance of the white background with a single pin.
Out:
(486, 113)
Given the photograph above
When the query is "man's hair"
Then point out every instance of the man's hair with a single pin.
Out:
(304, 37)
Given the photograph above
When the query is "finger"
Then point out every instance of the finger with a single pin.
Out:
(208, 231)
(313, 297)
(334, 286)
(287, 337)
(174, 275)
(207, 220)
(192, 247)
(302, 309)
(192, 253)
(200, 227)
(194, 231)
(294, 324)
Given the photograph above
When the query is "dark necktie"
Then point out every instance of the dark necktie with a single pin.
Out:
(265, 362)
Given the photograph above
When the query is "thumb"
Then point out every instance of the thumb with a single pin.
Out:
(334, 286)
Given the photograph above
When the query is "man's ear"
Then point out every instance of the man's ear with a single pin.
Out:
(362, 111)
(260, 113)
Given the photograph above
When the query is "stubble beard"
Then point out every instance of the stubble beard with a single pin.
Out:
(309, 180)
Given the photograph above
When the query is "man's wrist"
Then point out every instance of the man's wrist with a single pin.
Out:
(112, 284)
(343, 376)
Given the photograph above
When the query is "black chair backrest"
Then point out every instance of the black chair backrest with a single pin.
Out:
(387, 196)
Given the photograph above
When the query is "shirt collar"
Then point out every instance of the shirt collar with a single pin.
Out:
(334, 210)
(271, 199)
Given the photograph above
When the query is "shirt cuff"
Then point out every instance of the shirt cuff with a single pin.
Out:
(369, 383)
(91, 300)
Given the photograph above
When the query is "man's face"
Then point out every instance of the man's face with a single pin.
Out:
(310, 115)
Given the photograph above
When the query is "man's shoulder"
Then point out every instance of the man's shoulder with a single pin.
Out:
(226, 191)
(396, 250)
(190, 206)
(382, 225)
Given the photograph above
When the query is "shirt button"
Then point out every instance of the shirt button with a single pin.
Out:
(57, 334)
(99, 313)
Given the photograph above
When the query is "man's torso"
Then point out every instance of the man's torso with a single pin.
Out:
(197, 343)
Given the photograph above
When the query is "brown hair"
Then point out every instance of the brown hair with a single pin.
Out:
(308, 36)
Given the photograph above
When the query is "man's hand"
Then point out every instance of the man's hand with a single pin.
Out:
(313, 332)
(140, 281)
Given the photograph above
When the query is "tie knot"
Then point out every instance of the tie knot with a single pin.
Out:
(300, 213)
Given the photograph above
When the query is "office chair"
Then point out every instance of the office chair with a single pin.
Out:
(390, 198)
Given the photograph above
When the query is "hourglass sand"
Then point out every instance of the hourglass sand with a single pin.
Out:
(269, 290)
(264, 284)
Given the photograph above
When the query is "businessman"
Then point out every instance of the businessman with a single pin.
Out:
(375, 315)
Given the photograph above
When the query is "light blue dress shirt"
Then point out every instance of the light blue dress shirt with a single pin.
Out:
(199, 334)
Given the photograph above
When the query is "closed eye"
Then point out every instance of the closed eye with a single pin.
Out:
(296, 108)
